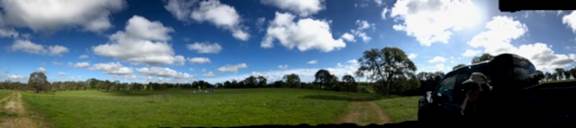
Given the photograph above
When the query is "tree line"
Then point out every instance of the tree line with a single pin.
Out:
(389, 70)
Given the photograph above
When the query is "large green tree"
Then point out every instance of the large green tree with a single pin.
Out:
(261, 81)
(349, 83)
(254, 81)
(292, 80)
(38, 82)
(386, 65)
(325, 79)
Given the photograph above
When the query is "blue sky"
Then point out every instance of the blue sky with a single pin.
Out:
(216, 40)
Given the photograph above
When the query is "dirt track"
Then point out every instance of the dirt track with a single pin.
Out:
(16, 114)
(364, 112)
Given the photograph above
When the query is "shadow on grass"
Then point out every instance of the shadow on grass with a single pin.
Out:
(344, 97)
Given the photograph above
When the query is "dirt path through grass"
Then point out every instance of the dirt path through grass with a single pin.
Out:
(16, 115)
(364, 112)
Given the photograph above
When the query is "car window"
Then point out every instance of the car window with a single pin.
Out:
(447, 86)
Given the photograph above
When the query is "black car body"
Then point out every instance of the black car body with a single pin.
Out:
(507, 73)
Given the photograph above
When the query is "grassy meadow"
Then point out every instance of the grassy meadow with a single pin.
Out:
(4, 93)
(400, 108)
(224, 107)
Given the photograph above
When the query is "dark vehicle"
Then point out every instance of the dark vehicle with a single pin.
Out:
(494, 90)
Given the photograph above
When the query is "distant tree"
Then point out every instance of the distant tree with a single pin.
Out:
(201, 85)
(385, 66)
(429, 80)
(349, 83)
(227, 84)
(250, 82)
(547, 76)
(573, 72)
(325, 79)
(481, 58)
(261, 81)
(567, 74)
(38, 82)
(559, 73)
(277, 84)
(292, 80)
(458, 66)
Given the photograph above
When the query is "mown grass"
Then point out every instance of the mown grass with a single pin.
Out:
(226, 107)
(4, 93)
(400, 109)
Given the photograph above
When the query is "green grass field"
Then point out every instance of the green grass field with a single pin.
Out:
(226, 107)
(400, 108)
(4, 93)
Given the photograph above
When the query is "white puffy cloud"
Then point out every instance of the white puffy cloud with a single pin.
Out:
(501, 30)
(360, 31)
(312, 62)
(139, 27)
(142, 41)
(412, 56)
(438, 62)
(471, 53)
(41, 69)
(209, 74)
(199, 60)
(163, 72)
(212, 11)
(304, 34)
(498, 37)
(300, 7)
(543, 57)
(232, 68)
(31, 47)
(434, 21)
(385, 13)
(15, 78)
(437, 59)
(81, 65)
(379, 2)
(57, 50)
(9, 32)
(27, 46)
(112, 68)
(348, 37)
(51, 15)
(570, 20)
(363, 24)
(204, 47)
(180, 8)
(284, 66)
